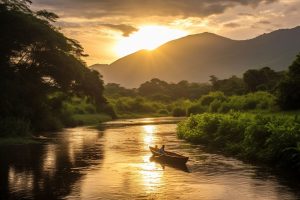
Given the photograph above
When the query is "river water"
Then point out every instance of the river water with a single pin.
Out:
(113, 163)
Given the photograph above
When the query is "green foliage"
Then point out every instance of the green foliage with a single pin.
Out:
(263, 137)
(115, 90)
(289, 89)
(217, 102)
(230, 86)
(163, 112)
(264, 79)
(90, 119)
(12, 127)
(41, 69)
(196, 109)
(81, 111)
(141, 106)
(206, 100)
(159, 90)
(178, 112)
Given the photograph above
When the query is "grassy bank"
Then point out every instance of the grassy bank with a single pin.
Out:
(90, 119)
(17, 141)
(80, 111)
(75, 112)
(268, 138)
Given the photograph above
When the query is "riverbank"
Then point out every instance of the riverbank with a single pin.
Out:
(18, 141)
(25, 136)
(272, 139)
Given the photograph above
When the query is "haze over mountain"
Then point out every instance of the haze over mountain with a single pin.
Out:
(196, 57)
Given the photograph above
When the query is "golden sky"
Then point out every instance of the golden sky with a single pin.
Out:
(110, 29)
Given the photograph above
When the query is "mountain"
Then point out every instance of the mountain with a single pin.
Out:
(196, 57)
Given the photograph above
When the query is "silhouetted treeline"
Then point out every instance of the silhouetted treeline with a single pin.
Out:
(156, 89)
(264, 79)
(40, 68)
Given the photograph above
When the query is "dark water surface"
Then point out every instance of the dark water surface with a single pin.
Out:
(84, 163)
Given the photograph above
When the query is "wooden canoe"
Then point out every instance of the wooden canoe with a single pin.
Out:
(168, 157)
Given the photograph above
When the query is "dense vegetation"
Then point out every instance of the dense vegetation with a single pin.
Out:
(41, 69)
(157, 97)
(154, 98)
(269, 138)
(261, 135)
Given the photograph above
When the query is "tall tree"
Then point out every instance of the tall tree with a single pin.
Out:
(289, 88)
(262, 79)
(37, 61)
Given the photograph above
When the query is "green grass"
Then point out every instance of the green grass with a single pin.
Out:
(18, 141)
(140, 115)
(90, 119)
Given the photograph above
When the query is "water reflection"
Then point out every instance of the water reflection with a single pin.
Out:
(151, 175)
(148, 130)
(48, 171)
(84, 163)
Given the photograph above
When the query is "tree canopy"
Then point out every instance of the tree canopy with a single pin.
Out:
(40, 66)
(289, 88)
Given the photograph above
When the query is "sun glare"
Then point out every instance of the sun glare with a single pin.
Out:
(148, 37)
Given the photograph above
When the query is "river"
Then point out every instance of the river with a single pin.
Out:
(113, 163)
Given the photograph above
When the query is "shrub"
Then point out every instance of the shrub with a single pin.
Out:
(12, 127)
(206, 100)
(214, 106)
(163, 112)
(196, 109)
(264, 137)
(178, 112)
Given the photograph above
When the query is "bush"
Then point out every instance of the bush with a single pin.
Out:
(267, 138)
(196, 109)
(179, 112)
(163, 112)
(12, 127)
(215, 105)
(206, 100)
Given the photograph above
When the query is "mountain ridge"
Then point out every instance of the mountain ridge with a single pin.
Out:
(196, 57)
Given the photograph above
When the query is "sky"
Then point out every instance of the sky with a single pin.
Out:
(110, 29)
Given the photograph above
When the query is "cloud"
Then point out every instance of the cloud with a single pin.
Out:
(232, 25)
(139, 8)
(265, 22)
(124, 28)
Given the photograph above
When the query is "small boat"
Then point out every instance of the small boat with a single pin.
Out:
(168, 157)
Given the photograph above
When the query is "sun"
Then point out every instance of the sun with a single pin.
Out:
(147, 37)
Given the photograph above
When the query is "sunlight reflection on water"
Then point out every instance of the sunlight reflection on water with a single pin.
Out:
(151, 175)
(148, 130)
(84, 163)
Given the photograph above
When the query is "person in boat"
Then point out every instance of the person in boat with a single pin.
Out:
(162, 149)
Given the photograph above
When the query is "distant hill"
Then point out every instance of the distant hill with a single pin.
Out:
(196, 57)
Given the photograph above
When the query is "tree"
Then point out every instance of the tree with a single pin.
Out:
(153, 87)
(230, 86)
(264, 79)
(289, 88)
(37, 63)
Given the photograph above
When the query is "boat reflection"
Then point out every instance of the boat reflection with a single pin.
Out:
(181, 167)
